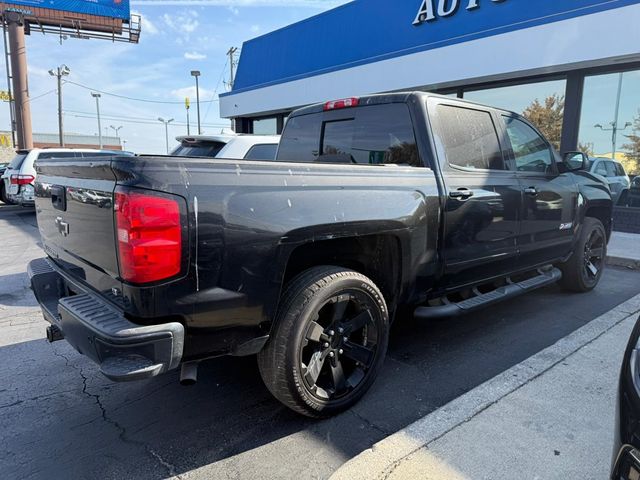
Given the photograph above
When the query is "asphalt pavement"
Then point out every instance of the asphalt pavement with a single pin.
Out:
(59, 418)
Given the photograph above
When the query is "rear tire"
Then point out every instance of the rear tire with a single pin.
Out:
(3, 194)
(328, 342)
(582, 272)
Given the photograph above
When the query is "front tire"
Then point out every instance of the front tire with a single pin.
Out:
(582, 272)
(328, 343)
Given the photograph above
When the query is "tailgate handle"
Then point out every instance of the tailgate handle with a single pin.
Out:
(59, 197)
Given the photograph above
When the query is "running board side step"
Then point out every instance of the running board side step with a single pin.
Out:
(544, 278)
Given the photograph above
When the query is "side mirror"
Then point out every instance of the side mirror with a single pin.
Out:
(575, 161)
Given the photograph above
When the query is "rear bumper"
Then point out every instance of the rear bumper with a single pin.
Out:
(99, 330)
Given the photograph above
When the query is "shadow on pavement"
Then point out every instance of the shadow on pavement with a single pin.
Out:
(61, 418)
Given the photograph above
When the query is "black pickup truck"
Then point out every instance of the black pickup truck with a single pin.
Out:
(405, 202)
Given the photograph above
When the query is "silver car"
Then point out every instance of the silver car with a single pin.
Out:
(613, 172)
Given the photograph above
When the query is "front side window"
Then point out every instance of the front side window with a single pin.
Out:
(611, 169)
(532, 153)
(601, 169)
(468, 138)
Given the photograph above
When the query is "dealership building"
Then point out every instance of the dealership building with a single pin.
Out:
(583, 56)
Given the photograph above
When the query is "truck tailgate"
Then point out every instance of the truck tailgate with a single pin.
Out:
(74, 206)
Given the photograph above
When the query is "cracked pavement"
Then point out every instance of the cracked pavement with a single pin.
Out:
(59, 418)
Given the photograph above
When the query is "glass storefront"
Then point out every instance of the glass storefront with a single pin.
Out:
(265, 126)
(610, 130)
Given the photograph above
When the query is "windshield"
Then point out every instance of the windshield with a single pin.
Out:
(198, 149)
(16, 163)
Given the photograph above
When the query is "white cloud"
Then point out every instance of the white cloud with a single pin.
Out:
(194, 56)
(234, 10)
(255, 28)
(184, 23)
(180, 93)
(148, 27)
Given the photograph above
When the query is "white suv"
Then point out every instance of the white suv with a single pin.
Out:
(20, 174)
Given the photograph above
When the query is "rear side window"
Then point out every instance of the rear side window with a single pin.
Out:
(16, 163)
(468, 138)
(300, 140)
(262, 152)
(46, 155)
(369, 135)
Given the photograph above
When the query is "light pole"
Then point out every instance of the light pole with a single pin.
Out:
(187, 105)
(116, 130)
(60, 72)
(614, 125)
(97, 97)
(196, 73)
(166, 130)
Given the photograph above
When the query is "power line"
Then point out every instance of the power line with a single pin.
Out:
(145, 100)
(215, 91)
(31, 99)
(133, 119)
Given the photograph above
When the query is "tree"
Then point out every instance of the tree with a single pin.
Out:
(632, 149)
(547, 116)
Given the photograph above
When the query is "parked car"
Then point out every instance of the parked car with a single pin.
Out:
(20, 175)
(251, 147)
(201, 145)
(3, 194)
(247, 147)
(626, 451)
(617, 179)
(633, 197)
(405, 201)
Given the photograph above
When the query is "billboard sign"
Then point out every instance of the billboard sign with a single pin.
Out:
(101, 8)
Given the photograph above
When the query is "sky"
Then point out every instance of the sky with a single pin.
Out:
(183, 35)
(177, 36)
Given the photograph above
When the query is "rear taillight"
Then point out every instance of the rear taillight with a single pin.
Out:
(149, 236)
(343, 103)
(17, 179)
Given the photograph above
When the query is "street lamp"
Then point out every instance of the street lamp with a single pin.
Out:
(116, 129)
(614, 134)
(166, 130)
(59, 72)
(97, 97)
(196, 73)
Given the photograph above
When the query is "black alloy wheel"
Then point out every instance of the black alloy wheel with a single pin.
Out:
(340, 345)
(328, 341)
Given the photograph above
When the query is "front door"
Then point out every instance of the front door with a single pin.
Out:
(483, 198)
(550, 199)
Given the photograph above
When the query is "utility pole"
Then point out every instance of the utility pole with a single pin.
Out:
(196, 73)
(166, 130)
(232, 51)
(97, 97)
(614, 125)
(15, 23)
(60, 72)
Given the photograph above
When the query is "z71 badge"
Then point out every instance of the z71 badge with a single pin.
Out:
(566, 226)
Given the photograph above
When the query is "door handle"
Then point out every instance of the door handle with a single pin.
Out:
(461, 193)
(533, 191)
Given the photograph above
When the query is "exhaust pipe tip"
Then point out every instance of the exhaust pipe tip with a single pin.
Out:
(189, 374)
(54, 333)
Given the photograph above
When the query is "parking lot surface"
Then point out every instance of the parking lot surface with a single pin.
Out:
(59, 418)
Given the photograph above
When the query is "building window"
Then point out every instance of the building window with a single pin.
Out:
(610, 118)
(265, 126)
(542, 103)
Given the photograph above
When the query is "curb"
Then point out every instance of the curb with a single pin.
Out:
(379, 460)
(623, 262)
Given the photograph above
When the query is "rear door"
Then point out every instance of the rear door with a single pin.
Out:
(549, 198)
(74, 205)
(483, 197)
